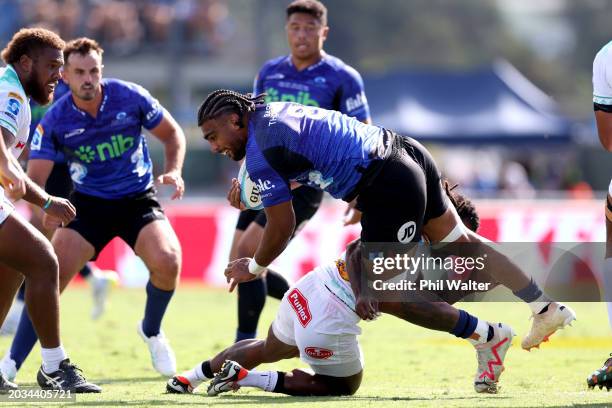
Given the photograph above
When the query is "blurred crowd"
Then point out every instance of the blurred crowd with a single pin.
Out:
(507, 173)
(126, 27)
(206, 27)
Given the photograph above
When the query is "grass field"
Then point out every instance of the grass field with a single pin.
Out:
(406, 366)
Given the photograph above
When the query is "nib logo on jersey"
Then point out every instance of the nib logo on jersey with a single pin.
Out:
(273, 95)
(116, 147)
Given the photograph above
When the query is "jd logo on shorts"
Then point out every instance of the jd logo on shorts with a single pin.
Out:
(406, 232)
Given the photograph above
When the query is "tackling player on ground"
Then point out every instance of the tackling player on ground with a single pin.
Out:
(317, 322)
(310, 76)
(602, 104)
(98, 126)
(33, 58)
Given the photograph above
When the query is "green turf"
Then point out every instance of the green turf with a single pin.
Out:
(405, 365)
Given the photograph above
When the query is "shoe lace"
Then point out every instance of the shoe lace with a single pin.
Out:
(74, 373)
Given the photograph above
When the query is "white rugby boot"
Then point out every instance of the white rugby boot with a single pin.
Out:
(546, 324)
(491, 357)
(162, 355)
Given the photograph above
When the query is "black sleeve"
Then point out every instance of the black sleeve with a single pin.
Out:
(601, 107)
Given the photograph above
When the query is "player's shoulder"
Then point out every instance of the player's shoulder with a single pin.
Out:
(61, 113)
(60, 106)
(124, 89)
(604, 55)
(10, 86)
(340, 67)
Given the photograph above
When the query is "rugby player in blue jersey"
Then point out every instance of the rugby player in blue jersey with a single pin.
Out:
(98, 127)
(310, 76)
(33, 58)
(60, 184)
(393, 178)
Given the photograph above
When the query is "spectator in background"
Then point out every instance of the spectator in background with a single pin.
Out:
(40, 13)
(158, 17)
(116, 24)
(514, 181)
(123, 26)
(10, 19)
(205, 23)
(69, 18)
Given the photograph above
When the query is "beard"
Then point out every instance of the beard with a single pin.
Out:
(88, 95)
(36, 91)
(239, 154)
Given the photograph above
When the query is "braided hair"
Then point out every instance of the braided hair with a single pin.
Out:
(465, 208)
(224, 101)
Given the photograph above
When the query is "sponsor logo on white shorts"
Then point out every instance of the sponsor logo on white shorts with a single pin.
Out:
(300, 306)
(318, 352)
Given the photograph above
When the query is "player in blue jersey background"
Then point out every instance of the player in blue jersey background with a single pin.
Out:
(98, 127)
(310, 76)
(60, 184)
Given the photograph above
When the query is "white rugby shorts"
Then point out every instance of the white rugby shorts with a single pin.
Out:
(325, 330)
(6, 207)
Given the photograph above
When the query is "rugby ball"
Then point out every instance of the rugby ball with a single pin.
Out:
(249, 191)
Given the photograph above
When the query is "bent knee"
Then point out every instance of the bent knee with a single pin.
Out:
(44, 261)
(166, 263)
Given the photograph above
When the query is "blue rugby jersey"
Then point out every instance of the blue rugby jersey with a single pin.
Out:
(316, 147)
(38, 111)
(328, 84)
(108, 155)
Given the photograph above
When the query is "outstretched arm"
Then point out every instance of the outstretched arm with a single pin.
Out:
(171, 135)
(278, 231)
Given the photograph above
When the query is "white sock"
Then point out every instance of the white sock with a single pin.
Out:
(195, 376)
(51, 358)
(265, 380)
(540, 303)
(482, 330)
